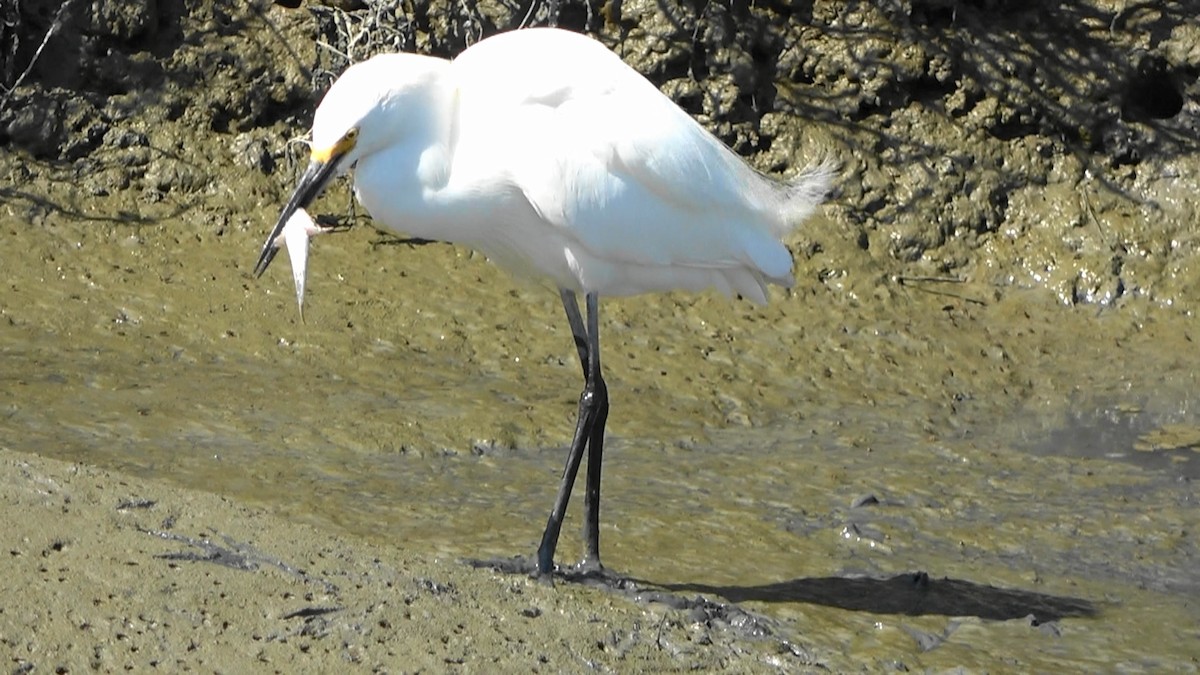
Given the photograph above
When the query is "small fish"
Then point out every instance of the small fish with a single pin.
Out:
(295, 235)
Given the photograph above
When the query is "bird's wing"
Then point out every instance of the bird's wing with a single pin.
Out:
(600, 153)
(637, 178)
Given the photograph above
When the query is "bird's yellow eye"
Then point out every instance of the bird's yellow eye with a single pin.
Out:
(344, 145)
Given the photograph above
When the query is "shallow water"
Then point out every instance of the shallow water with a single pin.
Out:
(897, 469)
(807, 460)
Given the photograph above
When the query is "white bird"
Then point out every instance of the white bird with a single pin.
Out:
(543, 150)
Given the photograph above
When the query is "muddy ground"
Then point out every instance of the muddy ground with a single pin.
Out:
(992, 335)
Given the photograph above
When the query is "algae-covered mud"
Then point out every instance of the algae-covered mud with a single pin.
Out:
(967, 438)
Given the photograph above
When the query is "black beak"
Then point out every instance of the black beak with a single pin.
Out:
(311, 184)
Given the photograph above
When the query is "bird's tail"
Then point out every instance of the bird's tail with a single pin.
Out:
(802, 194)
(783, 205)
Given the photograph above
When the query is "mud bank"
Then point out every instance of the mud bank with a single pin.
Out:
(992, 336)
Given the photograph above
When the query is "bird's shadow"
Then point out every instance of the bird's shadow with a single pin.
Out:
(352, 219)
(396, 240)
(910, 594)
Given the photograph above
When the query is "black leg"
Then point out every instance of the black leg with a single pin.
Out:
(599, 411)
(589, 434)
(571, 304)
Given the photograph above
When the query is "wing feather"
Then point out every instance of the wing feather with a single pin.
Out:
(626, 174)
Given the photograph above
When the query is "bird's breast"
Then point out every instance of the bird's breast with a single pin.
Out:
(492, 215)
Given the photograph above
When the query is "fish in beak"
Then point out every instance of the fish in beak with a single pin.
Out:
(312, 183)
(295, 227)
(296, 233)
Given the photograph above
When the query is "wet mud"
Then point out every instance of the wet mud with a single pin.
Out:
(966, 438)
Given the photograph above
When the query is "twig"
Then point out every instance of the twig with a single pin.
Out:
(1091, 212)
(956, 296)
(910, 281)
(902, 279)
(528, 14)
(335, 50)
(54, 26)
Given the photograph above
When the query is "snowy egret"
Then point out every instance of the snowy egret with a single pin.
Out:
(543, 150)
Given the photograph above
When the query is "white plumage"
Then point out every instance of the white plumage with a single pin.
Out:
(543, 150)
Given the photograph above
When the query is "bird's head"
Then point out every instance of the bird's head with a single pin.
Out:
(374, 104)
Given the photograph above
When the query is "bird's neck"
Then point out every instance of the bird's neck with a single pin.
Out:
(407, 189)
(396, 185)
(414, 186)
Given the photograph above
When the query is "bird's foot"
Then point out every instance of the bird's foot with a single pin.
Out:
(589, 571)
(589, 566)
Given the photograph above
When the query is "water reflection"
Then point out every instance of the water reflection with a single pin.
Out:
(1157, 435)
